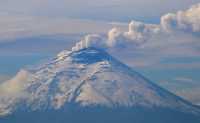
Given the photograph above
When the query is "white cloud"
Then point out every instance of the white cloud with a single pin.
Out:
(137, 34)
(142, 44)
(155, 42)
(15, 85)
(13, 89)
(188, 20)
(92, 40)
(168, 22)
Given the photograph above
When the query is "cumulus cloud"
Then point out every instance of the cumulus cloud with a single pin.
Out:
(168, 22)
(92, 40)
(188, 20)
(11, 90)
(137, 34)
(147, 45)
(15, 85)
(176, 35)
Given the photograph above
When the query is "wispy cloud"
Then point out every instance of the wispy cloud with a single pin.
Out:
(91, 9)
(16, 26)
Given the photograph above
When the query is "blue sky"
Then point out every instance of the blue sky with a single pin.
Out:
(34, 30)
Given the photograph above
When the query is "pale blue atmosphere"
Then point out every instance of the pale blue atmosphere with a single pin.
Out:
(27, 49)
(160, 40)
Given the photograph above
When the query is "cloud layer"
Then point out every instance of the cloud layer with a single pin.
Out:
(20, 26)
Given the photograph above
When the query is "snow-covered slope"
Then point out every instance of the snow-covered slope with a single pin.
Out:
(86, 78)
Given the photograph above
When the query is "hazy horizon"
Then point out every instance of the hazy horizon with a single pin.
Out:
(159, 39)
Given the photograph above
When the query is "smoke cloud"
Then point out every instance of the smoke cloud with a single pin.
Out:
(139, 33)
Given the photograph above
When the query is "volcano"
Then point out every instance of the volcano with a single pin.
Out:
(90, 86)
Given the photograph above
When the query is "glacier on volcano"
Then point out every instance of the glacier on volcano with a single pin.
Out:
(89, 85)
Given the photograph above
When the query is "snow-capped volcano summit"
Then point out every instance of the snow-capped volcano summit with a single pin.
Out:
(91, 81)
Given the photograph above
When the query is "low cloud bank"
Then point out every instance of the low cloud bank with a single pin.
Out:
(16, 85)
